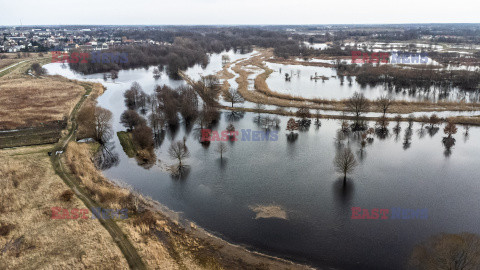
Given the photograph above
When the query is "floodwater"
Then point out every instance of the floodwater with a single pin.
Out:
(285, 198)
(301, 84)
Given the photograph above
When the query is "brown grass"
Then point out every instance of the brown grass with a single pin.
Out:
(11, 58)
(33, 101)
(28, 101)
(78, 157)
(29, 188)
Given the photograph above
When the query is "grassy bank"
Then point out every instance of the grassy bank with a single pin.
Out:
(127, 143)
(29, 189)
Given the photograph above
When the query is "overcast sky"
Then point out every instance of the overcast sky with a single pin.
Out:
(38, 12)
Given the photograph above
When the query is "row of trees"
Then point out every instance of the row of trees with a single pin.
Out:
(418, 78)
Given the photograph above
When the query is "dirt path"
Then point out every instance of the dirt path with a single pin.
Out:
(133, 258)
(9, 67)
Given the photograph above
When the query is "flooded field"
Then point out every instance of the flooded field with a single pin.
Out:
(284, 197)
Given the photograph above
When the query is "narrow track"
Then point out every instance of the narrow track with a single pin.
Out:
(131, 255)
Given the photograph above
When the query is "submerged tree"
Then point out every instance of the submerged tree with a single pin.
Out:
(382, 127)
(94, 122)
(345, 163)
(450, 129)
(434, 120)
(188, 104)
(221, 148)
(231, 132)
(358, 104)
(233, 96)
(292, 125)
(178, 151)
(131, 119)
(384, 103)
(135, 97)
(208, 88)
(143, 137)
(304, 114)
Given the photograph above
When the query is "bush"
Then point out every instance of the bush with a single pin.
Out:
(5, 229)
(147, 218)
(67, 195)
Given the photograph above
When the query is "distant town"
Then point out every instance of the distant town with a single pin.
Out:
(20, 39)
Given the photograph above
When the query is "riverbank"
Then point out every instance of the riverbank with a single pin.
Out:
(29, 237)
(160, 236)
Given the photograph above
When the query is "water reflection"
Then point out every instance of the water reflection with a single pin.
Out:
(234, 116)
(180, 172)
(407, 139)
(344, 193)
(106, 157)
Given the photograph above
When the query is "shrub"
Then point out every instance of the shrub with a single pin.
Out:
(67, 195)
(5, 229)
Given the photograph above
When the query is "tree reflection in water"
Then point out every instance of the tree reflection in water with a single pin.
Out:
(106, 157)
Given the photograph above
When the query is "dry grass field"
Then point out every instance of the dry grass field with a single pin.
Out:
(28, 101)
(29, 238)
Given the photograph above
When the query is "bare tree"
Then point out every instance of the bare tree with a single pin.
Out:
(188, 104)
(157, 120)
(434, 120)
(103, 129)
(221, 148)
(208, 88)
(345, 163)
(384, 103)
(259, 107)
(358, 104)
(94, 122)
(234, 96)
(450, 129)
(292, 125)
(131, 119)
(178, 151)
(133, 96)
(303, 113)
(143, 137)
